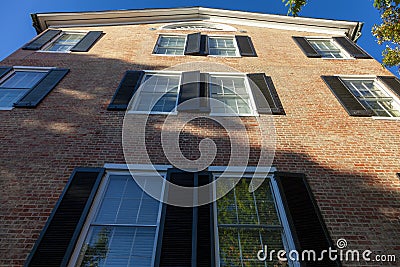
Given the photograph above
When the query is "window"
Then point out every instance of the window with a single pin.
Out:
(17, 84)
(222, 46)
(65, 42)
(123, 229)
(327, 48)
(373, 96)
(197, 44)
(158, 93)
(232, 93)
(246, 222)
(198, 26)
(170, 45)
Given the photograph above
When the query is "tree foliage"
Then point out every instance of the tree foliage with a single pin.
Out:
(387, 33)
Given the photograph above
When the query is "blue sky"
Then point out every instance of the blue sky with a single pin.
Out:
(16, 25)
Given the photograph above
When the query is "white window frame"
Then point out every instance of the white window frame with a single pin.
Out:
(338, 46)
(27, 69)
(287, 237)
(379, 85)
(252, 104)
(136, 98)
(237, 53)
(116, 170)
(169, 35)
(52, 41)
(222, 27)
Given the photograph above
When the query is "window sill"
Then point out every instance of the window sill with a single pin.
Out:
(54, 52)
(151, 113)
(386, 118)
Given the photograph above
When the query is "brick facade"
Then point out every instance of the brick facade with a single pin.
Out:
(350, 162)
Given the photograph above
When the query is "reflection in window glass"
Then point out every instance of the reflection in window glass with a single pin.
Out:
(326, 48)
(124, 229)
(17, 85)
(170, 45)
(373, 97)
(158, 93)
(246, 223)
(222, 46)
(65, 42)
(232, 95)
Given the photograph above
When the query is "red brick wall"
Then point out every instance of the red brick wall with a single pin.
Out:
(351, 163)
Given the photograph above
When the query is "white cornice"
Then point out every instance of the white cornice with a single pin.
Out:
(43, 21)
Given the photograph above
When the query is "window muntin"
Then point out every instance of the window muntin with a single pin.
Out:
(373, 96)
(246, 222)
(65, 42)
(16, 85)
(158, 93)
(327, 48)
(170, 45)
(233, 94)
(222, 46)
(124, 228)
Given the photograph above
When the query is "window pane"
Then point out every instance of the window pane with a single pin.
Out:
(171, 45)
(221, 46)
(326, 48)
(23, 79)
(65, 42)
(9, 96)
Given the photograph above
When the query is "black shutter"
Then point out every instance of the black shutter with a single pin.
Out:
(126, 89)
(204, 45)
(245, 45)
(40, 91)
(346, 98)
(307, 226)
(4, 70)
(87, 42)
(58, 238)
(392, 82)
(190, 89)
(351, 48)
(398, 175)
(306, 47)
(193, 44)
(262, 88)
(41, 40)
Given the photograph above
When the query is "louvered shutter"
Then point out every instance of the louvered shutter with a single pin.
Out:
(41, 40)
(262, 88)
(245, 45)
(398, 175)
(190, 89)
(346, 98)
(392, 82)
(307, 226)
(126, 89)
(353, 49)
(193, 44)
(204, 45)
(58, 238)
(4, 70)
(306, 47)
(87, 41)
(42, 89)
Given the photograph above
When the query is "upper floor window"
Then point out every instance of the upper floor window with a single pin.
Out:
(170, 45)
(327, 48)
(330, 47)
(367, 96)
(60, 41)
(165, 92)
(65, 42)
(197, 44)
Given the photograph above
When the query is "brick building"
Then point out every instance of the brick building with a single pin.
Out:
(89, 102)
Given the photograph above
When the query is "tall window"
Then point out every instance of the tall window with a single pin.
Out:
(373, 96)
(65, 42)
(233, 94)
(16, 85)
(222, 46)
(327, 48)
(123, 230)
(158, 93)
(170, 45)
